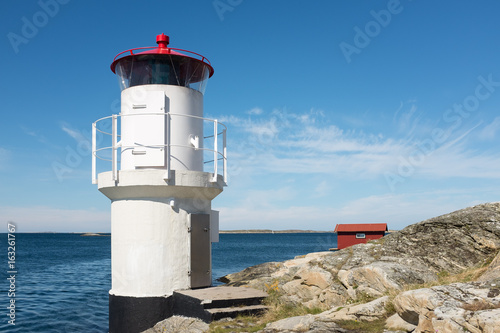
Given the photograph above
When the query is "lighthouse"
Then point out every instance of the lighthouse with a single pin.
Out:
(163, 163)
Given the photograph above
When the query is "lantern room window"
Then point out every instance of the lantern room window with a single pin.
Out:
(168, 69)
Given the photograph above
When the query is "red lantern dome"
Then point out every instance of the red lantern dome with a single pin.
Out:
(162, 65)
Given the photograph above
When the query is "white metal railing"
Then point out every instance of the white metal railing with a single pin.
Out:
(116, 145)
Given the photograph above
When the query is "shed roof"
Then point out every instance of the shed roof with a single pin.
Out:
(360, 227)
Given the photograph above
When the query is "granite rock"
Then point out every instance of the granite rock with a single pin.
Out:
(370, 311)
(451, 308)
(301, 324)
(492, 273)
(415, 255)
(396, 323)
(327, 321)
(179, 324)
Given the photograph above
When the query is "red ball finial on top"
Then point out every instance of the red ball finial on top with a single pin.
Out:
(162, 41)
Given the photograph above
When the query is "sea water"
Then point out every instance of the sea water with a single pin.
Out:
(62, 280)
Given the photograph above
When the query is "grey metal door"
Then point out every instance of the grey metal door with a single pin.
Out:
(201, 256)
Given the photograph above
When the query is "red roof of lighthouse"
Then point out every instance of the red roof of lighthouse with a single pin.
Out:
(361, 227)
(162, 48)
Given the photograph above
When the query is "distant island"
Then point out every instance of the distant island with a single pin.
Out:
(94, 234)
(268, 231)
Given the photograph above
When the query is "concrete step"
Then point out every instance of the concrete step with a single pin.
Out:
(215, 303)
(232, 312)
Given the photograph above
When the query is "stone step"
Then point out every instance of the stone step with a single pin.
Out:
(223, 296)
(232, 312)
(218, 302)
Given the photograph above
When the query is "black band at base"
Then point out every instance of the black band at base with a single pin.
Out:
(136, 314)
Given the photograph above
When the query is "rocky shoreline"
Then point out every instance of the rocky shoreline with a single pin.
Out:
(438, 275)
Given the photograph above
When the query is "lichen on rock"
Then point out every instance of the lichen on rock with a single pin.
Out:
(420, 253)
(414, 255)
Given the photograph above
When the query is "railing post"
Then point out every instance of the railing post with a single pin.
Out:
(216, 154)
(94, 146)
(114, 152)
(224, 153)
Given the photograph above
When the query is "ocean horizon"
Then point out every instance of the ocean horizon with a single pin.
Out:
(62, 280)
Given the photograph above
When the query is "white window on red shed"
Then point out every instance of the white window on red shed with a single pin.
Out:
(360, 235)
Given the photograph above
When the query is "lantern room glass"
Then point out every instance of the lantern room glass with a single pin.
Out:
(162, 69)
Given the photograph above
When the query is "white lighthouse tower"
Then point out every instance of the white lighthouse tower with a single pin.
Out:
(161, 146)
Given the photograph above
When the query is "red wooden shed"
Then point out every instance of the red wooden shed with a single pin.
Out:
(351, 234)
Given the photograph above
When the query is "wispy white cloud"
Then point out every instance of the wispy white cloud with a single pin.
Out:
(396, 210)
(332, 139)
(292, 217)
(283, 143)
(322, 189)
(408, 118)
(298, 147)
(75, 134)
(4, 153)
(490, 131)
(457, 161)
(259, 199)
(43, 218)
(255, 111)
(39, 137)
(264, 130)
(4, 156)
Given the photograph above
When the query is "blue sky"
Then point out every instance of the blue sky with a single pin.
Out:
(338, 111)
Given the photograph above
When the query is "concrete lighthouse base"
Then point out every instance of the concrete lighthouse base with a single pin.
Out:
(137, 314)
(160, 241)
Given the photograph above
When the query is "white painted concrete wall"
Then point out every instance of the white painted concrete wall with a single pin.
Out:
(150, 246)
(149, 130)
